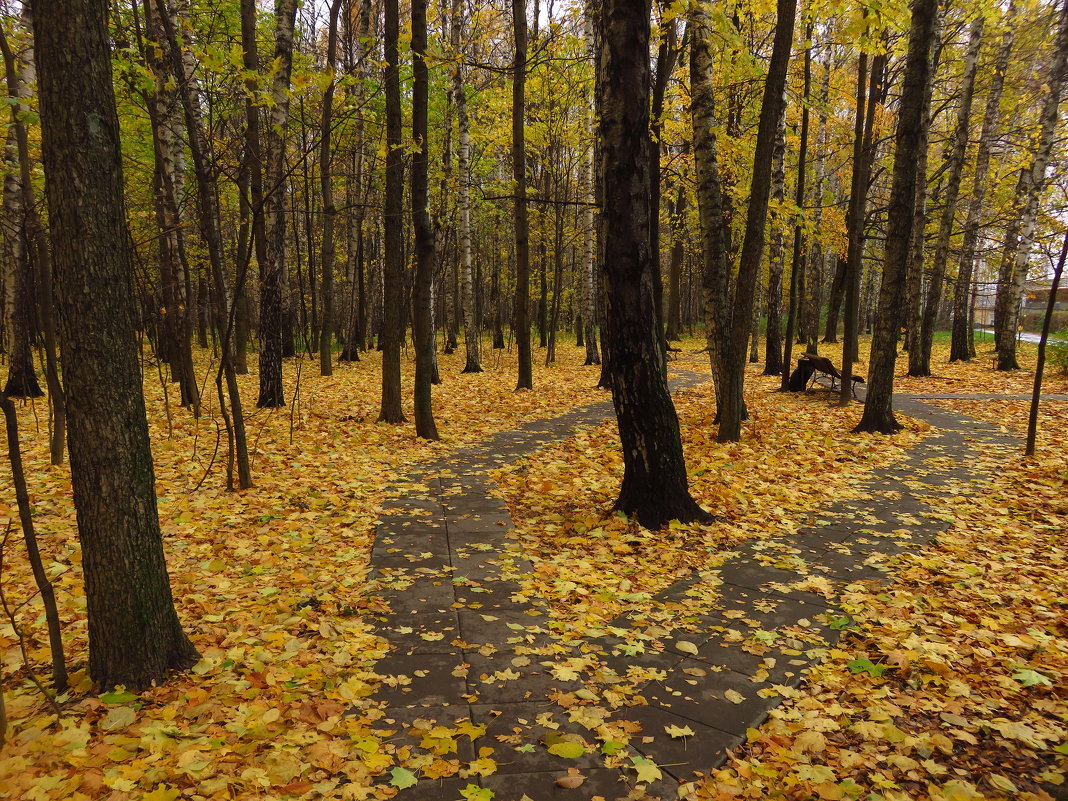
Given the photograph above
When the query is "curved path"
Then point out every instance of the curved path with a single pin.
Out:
(466, 644)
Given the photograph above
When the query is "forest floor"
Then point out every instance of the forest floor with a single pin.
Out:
(273, 586)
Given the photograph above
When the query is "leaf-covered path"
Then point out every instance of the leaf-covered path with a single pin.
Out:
(478, 666)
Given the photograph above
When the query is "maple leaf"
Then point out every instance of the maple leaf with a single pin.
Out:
(1031, 678)
(679, 731)
(647, 770)
(402, 778)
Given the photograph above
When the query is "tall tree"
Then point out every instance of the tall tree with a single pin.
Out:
(422, 289)
(714, 225)
(392, 227)
(274, 203)
(654, 486)
(521, 323)
(878, 404)
(920, 356)
(326, 181)
(732, 405)
(773, 332)
(135, 637)
(797, 262)
(472, 344)
(1017, 249)
(960, 344)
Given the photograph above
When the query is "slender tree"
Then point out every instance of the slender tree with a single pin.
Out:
(521, 323)
(392, 227)
(135, 638)
(960, 345)
(272, 270)
(1017, 249)
(878, 404)
(920, 356)
(326, 181)
(732, 405)
(797, 262)
(422, 290)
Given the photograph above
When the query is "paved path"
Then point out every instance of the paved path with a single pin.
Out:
(467, 644)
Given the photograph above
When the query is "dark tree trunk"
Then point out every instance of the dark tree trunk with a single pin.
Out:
(834, 302)
(960, 345)
(678, 236)
(326, 181)
(422, 289)
(21, 377)
(879, 403)
(135, 638)
(864, 155)
(797, 262)
(392, 228)
(920, 357)
(276, 333)
(521, 323)
(654, 486)
(732, 405)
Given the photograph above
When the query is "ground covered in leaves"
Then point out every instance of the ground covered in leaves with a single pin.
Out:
(964, 697)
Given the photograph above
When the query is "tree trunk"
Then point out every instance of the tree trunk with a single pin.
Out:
(209, 229)
(654, 486)
(273, 329)
(732, 406)
(521, 323)
(473, 362)
(959, 346)
(773, 331)
(326, 179)
(1016, 254)
(678, 253)
(21, 377)
(715, 272)
(392, 227)
(857, 217)
(920, 357)
(135, 637)
(879, 403)
(422, 289)
(797, 262)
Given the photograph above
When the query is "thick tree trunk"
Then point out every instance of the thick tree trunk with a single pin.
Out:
(422, 289)
(273, 328)
(1016, 254)
(878, 405)
(392, 227)
(960, 349)
(816, 253)
(920, 357)
(732, 405)
(654, 486)
(135, 638)
(521, 322)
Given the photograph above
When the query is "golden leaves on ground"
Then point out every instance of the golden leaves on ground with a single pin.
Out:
(953, 684)
(795, 458)
(270, 583)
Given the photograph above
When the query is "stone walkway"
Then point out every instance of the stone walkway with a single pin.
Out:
(468, 645)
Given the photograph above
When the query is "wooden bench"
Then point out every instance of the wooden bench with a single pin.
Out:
(812, 369)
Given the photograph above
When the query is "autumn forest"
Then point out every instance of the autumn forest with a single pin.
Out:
(550, 399)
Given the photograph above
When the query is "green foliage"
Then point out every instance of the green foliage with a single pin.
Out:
(1057, 350)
